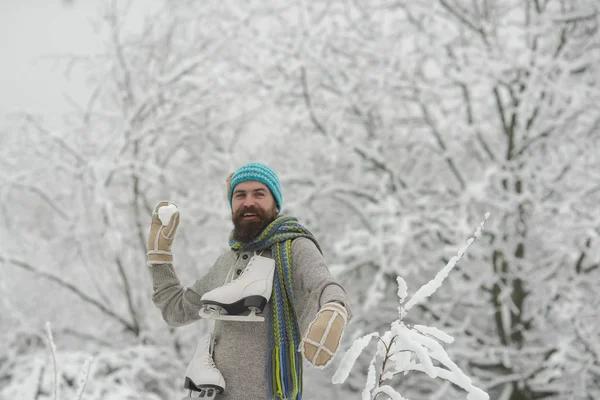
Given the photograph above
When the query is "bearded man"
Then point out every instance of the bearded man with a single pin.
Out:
(307, 310)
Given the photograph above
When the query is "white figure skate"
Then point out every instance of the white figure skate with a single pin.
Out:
(250, 292)
(202, 376)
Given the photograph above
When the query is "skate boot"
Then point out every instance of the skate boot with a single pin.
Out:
(202, 376)
(242, 298)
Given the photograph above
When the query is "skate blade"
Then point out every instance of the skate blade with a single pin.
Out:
(205, 394)
(252, 317)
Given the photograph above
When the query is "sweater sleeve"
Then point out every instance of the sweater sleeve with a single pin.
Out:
(313, 283)
(179, 305)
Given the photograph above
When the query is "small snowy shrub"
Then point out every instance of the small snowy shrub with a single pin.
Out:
(411, 348)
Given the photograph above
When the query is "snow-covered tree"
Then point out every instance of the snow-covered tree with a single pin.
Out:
(394, 126)
(425, 115)
(405, 348)
(165, 115)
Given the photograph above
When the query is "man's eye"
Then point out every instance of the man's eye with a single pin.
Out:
(239, 195)
(260, 194)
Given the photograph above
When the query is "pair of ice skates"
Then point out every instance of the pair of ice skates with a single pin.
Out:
(238, 300)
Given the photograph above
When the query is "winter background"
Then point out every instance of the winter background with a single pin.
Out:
(394, 125)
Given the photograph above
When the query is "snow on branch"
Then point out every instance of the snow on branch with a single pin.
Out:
(428, 289)
(404, 348)
(85, 371)
(350, 357)
(52, 347)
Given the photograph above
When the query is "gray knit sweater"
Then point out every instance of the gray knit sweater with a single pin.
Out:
(241, 348)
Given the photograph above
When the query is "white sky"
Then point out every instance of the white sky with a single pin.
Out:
(33, 28)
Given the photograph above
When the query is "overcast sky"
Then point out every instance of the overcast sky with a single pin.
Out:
(29, 30)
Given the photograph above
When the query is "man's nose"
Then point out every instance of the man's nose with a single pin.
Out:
(249, 201)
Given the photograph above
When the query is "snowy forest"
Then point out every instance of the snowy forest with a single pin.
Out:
(399, 130)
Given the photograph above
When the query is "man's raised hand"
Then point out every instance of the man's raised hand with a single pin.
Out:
(165, 220)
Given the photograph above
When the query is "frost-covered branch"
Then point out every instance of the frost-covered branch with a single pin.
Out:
(85, 371)
(52, 347)
(415, 348)
(428, 289)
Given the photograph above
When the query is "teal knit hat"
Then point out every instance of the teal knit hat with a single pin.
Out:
(257, 172)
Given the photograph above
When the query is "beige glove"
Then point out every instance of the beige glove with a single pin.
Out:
(162, 232)
(324, 335)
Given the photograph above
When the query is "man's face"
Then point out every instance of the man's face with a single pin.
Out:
(253, 208)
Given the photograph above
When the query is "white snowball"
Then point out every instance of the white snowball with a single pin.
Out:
(166, 212)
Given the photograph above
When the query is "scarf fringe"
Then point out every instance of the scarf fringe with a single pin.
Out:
(286, 382)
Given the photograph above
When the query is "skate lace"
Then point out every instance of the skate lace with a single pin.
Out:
(240, 275)
(208, 359)
(210, 362)
(248, 267)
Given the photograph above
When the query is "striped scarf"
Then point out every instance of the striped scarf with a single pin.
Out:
(284, 365)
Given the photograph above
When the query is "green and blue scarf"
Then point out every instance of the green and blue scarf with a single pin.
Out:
(284, 364)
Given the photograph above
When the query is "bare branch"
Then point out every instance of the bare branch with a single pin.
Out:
(361, 152)
(43, 195)
(460, 15)
(576, 17)
(73, 289)
(442, 145)
(471, 120)
(63, 144)
(128, 295)
(85, 336)
(308, 102)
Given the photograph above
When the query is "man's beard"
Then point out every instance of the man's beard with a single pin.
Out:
(245, 231)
